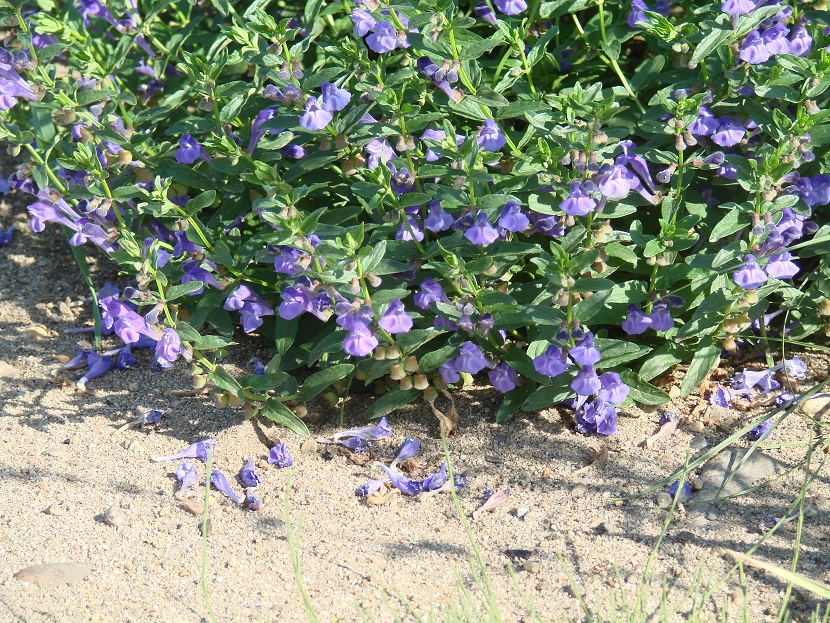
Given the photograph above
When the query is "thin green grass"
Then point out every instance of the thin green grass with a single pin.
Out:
(205, 525)
(293, 538)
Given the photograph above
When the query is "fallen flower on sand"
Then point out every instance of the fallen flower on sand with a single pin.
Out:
(220, 483)
(186, 474)
(668, 424)
(248, 475)
(200, 450)
(492, 500)
(279, 456)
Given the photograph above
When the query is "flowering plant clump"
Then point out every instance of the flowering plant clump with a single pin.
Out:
(406, 195)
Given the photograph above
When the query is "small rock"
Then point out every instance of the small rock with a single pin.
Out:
(53, 574)
(114, 517)
(209, 527)
(54, 510)
(469, 472)
(164, 511)
(8, 372)
(492, 458)
(697, 484)
(711, 516)
(816, 406)
(696, 426)
(674, 392)
(522, 511)
(684, 536)
(698, 442)
(309, 446)
(663, 500)
(194, 506)
(606, 527)
(698, 522)
(578, 490)
(532, 566)
(34, 333)
(56, 451)
(135, 446)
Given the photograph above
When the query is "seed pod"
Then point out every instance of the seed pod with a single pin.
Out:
(360, 375)
(301, 411)
(221, 399)
(380, 353)
(199, 381)
(379, 387)
(824, 308)
(250, 410)
(235, 401)
(421, 381)
(331, 398)
(410, 364)
(124, 157)
(430, 394)
(406, 383)
(392, 352)
(396, 372)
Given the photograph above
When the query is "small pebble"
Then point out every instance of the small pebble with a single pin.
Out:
(684, 536)
(696, 426)
(532, 566)
(491, 458)
(698, 443)
(663, 500)
(56, 451)
(309, 446)
(55, 511)
(522, 511)
(209, 527)
(578, 490)
(194, 506)
(114, 517)
(697, 484)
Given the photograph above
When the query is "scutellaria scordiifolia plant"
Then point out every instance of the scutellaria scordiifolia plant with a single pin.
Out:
(404, 195)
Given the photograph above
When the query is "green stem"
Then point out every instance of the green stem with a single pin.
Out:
(205, 520)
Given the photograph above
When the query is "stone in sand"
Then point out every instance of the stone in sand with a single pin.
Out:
(817, 406)
(53, 574)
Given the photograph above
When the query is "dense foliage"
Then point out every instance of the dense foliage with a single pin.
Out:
(406, 194)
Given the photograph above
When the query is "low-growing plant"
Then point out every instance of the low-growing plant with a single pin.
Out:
(399, 195)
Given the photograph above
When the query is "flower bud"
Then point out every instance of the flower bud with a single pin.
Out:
(235, 401)
(301, 411)
(373, 280)
(331, 398)
(396, 372)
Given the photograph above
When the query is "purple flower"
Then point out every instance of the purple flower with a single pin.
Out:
(6, 236)
(749, 276)
(375, 432)
(250, 305)
(408, 449)
(360, 341)
(437, 219)
(470, 360)
(512, 218)
(430, 292)
(186, 474)
(781, 266)
(252, 502)
(754, 51)
(401, 483)
(437, 480)
(736, 8)
(585, 353)
(800, 42)
(194, 272)
(315, 117)
(490, 136)
(363, 22)
(598, 416)
(199, 450)
(637, 13)
(775, 39)
(220, 483)
(279, 456)
(190, 150)
(795, 367)
(98, 366)
(748, 380)
(614, 181)
(295, 301)
(370, 487)
(355, 444)
(485, 13)
(721, 397)
(404, 232)
(125, 359)
(256, 128)
(334, 98)
(363, 316)
(552, 362)
(705, 124)
(482, 232)
(586, 382)
(395, 320)
(636, 322)
(383, 38)
(761, 431)
(168, 349)
(578, 202)
(248, 475)
(511, 7)
(728, 133)
(660, 317)
(503, 378)
(685, 493)
(286, 261)
(612, 389)
(449, 373)
(380, 152)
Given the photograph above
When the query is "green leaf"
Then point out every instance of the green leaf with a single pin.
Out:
(546, 396)
(281, 382)
(512, 402)
(319, 381)
(706, 357)
(223, 380)
(200, 202)
(182, 290)
(85, 98)
(278, 413)
(643, 392)
(729, 224)
(657, 364)
(617, 352)
(284, 333)
(389, 402)
(713, 39)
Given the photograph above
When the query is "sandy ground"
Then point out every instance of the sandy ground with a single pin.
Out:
(62, 466)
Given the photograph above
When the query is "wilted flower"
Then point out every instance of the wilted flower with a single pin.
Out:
(761, 431)
(408, 449)
(98, 366)
(685, 493)
(355, 444)
(220, 483)
(436, 480)
(252, 502)
(199, 450)
(370, 487)
(6, 236)
(279, 456)
(721, 397)
(401, 482)
(248, 475)
(186, 474)
(381, 430)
